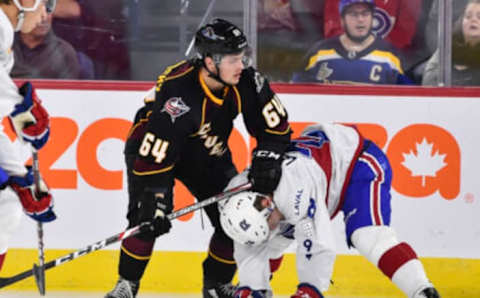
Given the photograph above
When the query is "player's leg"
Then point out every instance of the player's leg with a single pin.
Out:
(278, 246)
(135, 251)
(10, 216)
(367, 212)
(219, 265)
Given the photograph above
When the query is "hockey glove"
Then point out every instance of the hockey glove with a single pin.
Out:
(246, 292)
(154, 208)
(30, 119)
(37, 203)
(305, 290)
(3, 178)
(265, 171)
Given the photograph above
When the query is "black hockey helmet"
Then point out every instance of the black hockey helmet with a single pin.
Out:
(219, 37)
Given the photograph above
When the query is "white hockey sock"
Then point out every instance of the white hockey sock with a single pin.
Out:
(411, 277)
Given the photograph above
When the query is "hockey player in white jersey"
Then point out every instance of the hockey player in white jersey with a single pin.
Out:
(30, 121)
(330, 168)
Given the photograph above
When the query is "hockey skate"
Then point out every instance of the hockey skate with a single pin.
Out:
(124, 289)
(220, 291)
(429, 293)
(226, 291)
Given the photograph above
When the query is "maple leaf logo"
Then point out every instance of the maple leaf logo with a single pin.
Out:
(424, 163)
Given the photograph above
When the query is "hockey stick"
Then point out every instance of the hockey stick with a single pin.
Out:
(40, 269)
(118, 237)
(202, 22)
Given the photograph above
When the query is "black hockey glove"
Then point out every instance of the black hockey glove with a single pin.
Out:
(265, 171)
(154, 208)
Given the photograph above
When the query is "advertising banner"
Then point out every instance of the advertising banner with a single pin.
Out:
(432, 142)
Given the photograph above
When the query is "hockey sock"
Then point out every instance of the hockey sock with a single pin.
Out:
(219, 266)
(401, 265)
(134, 256)
(217, 270)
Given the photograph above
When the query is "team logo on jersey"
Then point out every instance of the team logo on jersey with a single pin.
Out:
(382, 22)
(324, 72)
(175, 107)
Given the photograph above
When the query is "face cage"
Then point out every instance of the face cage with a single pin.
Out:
(49, 5)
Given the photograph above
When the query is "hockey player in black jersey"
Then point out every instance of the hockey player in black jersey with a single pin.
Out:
(183, 134)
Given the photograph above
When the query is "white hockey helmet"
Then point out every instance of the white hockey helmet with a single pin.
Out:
(244, 217)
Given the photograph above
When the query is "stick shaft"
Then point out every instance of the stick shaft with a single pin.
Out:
(125, 234)
(40, 270)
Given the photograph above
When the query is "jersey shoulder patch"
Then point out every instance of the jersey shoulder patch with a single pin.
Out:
(174, 71)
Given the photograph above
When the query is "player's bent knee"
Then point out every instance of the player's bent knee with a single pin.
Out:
(373, 241)
(380, 246)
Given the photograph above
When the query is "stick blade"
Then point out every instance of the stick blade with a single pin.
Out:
(39, 274)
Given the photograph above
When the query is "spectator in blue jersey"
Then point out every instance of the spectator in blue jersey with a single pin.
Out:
(356, 56)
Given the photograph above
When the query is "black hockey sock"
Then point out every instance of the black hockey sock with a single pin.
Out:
(216, 271)
(130, 268)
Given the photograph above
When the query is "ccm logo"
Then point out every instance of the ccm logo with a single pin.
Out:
(267, 154)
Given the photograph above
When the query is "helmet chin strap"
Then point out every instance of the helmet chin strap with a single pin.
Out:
(217, 77)
(216, 59)
(20, 20)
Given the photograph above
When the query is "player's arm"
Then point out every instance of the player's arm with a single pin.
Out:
(267, 119)
(8, 93)
(315, 251)
(30, 119)
(253, 269)
(37, 202)
(159, 142)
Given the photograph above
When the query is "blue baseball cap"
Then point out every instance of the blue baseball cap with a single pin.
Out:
(345, 3)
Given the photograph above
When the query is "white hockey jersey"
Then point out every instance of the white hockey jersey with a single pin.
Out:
(314, 177)
(9, 156)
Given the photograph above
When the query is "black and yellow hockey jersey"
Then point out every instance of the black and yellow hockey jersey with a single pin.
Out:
(187, 126)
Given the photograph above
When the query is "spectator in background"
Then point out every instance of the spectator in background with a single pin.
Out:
(41, 54)
(396, 21)
(97, 29)
(431, 28)
(465, 51)
(356, 56)
(286, 29)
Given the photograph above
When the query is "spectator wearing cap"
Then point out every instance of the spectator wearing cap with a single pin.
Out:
(356, 56)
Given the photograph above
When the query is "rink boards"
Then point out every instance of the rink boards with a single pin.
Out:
(430, 136)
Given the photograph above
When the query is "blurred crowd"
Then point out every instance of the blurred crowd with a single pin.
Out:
(386, 42)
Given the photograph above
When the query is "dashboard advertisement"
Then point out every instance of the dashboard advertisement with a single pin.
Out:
(431, 139)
